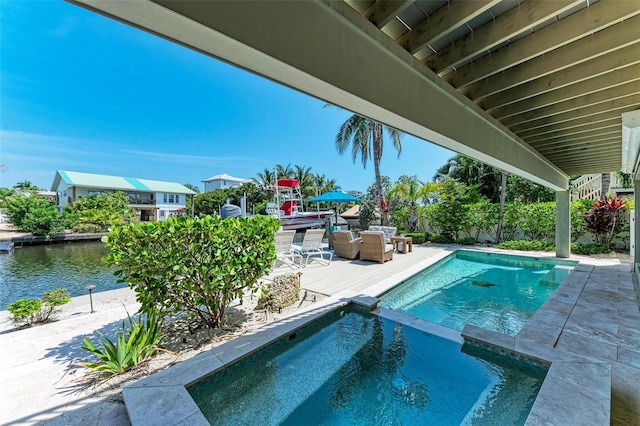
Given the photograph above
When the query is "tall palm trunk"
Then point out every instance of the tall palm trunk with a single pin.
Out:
(376, 131)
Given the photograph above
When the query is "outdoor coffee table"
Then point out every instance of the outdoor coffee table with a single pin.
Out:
(405, 242)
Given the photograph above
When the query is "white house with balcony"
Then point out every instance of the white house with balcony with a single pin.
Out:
(223, 181)
(151, 199)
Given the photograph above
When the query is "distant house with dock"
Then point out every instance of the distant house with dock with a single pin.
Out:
(151, 199)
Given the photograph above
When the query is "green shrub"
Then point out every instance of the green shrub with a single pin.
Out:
(87, 228)
(587, 249)
(132, 346)
(539, 220)
(33, 311)
(417, 237)
(442, 239)
(466, 241)
(194, 265)
(535, 245)
(26, 310)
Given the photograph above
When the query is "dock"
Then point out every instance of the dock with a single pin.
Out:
(30, 240)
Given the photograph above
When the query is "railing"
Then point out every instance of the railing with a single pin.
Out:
(146, 202)
(587, 187)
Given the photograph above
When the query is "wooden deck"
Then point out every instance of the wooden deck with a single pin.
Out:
(365, 277)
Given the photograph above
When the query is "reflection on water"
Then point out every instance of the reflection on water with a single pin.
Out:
(28, 272)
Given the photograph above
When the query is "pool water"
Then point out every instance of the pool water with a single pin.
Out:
(493, 291)
(355, 368)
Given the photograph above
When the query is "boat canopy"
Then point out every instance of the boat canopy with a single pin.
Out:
(288, 183)
(289, 207)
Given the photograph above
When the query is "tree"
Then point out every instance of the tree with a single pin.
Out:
(25, 186)
(208, 203)
(30, 213)
(485, 178)
(452, 214)
(194, 188)
(366, 139)
(194, 265)
(412, 190)
(96, 213)
(265, 179)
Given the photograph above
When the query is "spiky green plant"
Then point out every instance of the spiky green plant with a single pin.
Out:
(131, 347)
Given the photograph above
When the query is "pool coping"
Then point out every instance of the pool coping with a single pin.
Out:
(576, 390)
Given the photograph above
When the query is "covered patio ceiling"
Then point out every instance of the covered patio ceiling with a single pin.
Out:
(535, 87)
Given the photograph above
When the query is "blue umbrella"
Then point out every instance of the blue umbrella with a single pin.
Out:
(334, 197)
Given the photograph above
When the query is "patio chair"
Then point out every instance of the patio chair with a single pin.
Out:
(310, 248)
(285, 255)
(389, 231)
(344, 245)
(373, 247)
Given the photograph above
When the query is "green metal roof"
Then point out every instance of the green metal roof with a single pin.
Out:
(118, 183)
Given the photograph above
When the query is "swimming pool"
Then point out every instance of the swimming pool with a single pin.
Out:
(352, 367)
(494, 291)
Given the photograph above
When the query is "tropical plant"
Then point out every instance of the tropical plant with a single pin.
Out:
(539, 220)
(367, 213)
(606, 218)
(132, 346)
(365, 137)
(417, 237)
(100, 210)
(526, 245)
(588, 249)
(578, 209)
(472, 172)
(625, 179)
(483, 217)
(409, 188)
(198, 265)
(451, 215)
(32, 311)
(208, 203)
(265, 179)
(194, 188)
(25, 186)
(31, 213)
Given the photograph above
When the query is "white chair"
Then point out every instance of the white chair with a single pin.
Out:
(311, 246)
(285, 255)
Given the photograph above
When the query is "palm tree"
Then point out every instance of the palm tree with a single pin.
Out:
(366, 138)
(284, 172)
(192, 187)
(264, 179)
(412, 190)
(305, 178)
(25, 186)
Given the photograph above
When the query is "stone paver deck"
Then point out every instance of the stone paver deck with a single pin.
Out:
(590, 329)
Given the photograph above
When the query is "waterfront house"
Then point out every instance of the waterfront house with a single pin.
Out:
(222, 181)
(151, 199)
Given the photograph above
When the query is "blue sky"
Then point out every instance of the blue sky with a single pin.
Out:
(81, 92)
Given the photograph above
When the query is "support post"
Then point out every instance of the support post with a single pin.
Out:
(563, 224)
(636, 213)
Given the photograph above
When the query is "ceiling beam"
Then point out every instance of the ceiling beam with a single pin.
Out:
(600, 66)
(508, 25)
(612, 38)
(559, 146)
(608, 125)
(587, 158)
(593, 168)
(603, 146)
(620, 102)
(574, 27)
(590, 100)
(381, 12)
(328, 50)
(587, 138)
(572, 91)
(576, 124)
(442, 22)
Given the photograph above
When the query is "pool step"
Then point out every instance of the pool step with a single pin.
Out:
(556, 275)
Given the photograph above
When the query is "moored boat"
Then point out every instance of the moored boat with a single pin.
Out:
(289, 210)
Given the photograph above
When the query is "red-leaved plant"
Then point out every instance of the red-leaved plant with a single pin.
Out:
(605, 219)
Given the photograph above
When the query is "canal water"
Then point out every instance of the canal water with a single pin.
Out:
(27, 272)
